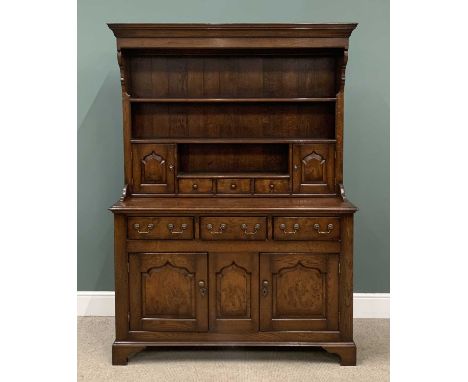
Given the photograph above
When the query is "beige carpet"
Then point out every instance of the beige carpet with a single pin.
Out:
(96, 334)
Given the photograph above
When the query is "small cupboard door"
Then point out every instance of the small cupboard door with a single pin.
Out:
(234, 292)
(153, 168)
(298, 291)
(168, 291)
(314, 168)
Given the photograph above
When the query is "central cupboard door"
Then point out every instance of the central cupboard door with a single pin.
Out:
(234, 292)
(298, 291)
(168, 291)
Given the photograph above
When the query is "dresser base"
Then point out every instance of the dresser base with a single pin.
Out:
(123, 350)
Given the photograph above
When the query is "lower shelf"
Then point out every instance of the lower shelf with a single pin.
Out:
(232, 175)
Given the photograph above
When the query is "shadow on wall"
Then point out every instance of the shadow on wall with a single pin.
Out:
(100, 181)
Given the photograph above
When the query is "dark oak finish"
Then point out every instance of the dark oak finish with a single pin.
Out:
(233, 227)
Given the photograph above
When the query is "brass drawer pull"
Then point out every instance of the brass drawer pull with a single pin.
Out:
(233, 186)
(244, 228)
(183, 227)
(265, 288)
(149, 227)
(202, 288)
(195, 186)
(317, 228)
(222, 228)
(296, 227)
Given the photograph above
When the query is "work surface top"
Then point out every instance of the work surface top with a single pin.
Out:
(233, 205)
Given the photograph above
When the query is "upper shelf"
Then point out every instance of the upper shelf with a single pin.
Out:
(228, 100)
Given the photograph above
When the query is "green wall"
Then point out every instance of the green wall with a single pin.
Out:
(366, 171)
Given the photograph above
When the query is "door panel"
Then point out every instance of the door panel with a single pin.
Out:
(314, 168)
(299, 291)
(168, 291)
(234, 292)
(153, 168)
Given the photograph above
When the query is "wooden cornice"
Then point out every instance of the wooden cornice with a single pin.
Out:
(337, 30)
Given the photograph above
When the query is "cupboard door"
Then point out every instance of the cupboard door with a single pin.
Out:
(314, 168)
(234, 292)
(168, 291)
(153, 168)
(298, 291)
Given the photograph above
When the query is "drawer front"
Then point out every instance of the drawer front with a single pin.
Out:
(306, 228)
(233, 186)
(195, 186)
(272, 186)
(161, 228)
(233, 228)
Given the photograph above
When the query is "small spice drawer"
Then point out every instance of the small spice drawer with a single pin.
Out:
(306, 228)
(160, 228)
(271, 186)
(233, 228)
(233, 186)
(195, 186)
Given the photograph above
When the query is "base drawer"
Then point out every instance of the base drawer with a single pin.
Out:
(306, 228)
(162, 228)
(233, 228)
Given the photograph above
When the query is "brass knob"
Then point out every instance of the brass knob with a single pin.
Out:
(195, 186)
(233, 186)
(171, 167)
(296, 167)
(272, 186)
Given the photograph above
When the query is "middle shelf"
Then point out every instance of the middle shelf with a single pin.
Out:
(233, 120)
(231, 100)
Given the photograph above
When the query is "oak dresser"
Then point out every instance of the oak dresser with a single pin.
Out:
(233, 228)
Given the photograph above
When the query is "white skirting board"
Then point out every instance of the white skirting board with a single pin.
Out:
(366, 305)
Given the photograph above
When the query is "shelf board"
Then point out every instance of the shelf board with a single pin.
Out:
(230, 100)
(233, 140)
(232, 175)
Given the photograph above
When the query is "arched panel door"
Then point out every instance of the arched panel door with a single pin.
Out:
(314, 168)
(233, 292)
(299, 291)
(153, 168)
(168, 292)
